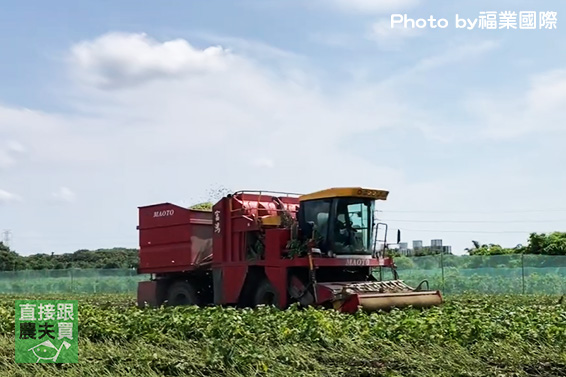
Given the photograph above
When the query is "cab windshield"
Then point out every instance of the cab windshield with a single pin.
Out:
(353, 226)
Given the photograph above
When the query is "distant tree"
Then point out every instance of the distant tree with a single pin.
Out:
(552, 244)
(10, 260)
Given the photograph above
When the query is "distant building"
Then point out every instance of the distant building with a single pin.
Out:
(436, 247)
(404, 249)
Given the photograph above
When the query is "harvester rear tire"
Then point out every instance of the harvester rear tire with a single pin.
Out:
(266, 294)
(182, 293)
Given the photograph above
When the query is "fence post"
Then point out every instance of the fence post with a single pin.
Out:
(523, 271)
(442, 270)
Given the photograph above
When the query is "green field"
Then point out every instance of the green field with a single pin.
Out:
(467, 336)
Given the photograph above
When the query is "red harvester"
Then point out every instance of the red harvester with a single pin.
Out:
(273, 248)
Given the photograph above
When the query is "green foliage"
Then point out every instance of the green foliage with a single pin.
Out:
(297, 248)
(494, 249)
(551, 244)
(404, 263)
(102, 258)
(466, 336)
(9, 260)
(206, 206)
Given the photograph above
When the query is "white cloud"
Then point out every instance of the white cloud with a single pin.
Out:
(372, 6)
(243, 46)
(263, 163)
(7, 197)
(15, 147)
(6, 160)
(64, 195)
(540, 108)
(333, 39)
(391, 38)
(548, 92)
(119, 59)
(462, 53)
(9, 152)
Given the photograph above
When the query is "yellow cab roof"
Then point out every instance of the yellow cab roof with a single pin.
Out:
(353, 192)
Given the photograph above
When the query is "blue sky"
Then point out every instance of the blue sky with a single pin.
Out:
(108, 105)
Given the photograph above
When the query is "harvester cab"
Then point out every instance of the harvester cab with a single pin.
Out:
(341, 224)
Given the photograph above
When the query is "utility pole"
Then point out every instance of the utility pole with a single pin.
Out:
(7, 237)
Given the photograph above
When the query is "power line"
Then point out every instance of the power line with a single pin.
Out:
(476, 221)
(477, 212)
(468, 231)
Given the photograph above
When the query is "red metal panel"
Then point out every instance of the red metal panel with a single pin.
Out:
(275, 242)
(351, 304)
(323, 293)
(218, 232)
(164, 214)
(173, 238)
(278, 277)
(200, 215)
(232, 282)
(237, 246)
(165, 235)
(328, 262)
(147, 293)
(243, 224)
(173, 257)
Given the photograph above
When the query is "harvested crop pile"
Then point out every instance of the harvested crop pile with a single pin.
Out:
(206, 206)
(467, 336)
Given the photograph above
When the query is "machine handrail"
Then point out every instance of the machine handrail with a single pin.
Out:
(266, 192)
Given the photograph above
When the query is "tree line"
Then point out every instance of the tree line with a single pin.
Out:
(102, 258)
(538, 244)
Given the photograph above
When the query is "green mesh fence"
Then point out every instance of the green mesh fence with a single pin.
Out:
(70, 281)
(497, 274)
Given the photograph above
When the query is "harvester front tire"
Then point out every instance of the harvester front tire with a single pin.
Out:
(266, 294)
(182, 293)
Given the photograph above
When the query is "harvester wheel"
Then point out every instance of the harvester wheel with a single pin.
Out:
(266, 294)
(182, 293)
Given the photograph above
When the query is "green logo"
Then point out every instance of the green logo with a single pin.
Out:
(47, 331)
